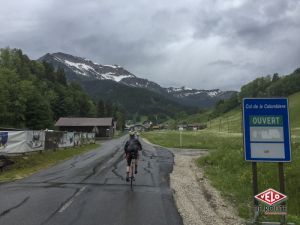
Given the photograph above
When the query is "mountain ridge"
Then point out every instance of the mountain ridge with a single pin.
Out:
(82, 69)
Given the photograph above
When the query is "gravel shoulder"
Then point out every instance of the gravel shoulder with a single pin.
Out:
(197, 201)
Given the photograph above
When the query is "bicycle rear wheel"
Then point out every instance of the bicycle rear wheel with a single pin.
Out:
(131, 171)
(131, 183)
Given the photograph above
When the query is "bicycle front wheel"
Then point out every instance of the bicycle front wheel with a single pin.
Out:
(131, 183)
(132, 177)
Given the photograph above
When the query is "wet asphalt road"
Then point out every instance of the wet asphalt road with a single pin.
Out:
(91, 190)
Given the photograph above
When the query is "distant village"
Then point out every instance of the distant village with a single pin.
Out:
(149, 125)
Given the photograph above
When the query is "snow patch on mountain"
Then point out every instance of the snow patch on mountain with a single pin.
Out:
(112, 76)
(113, 66)
(82, 67)
(184, 92)
(175, 89)
(192, 93)
(213, 93)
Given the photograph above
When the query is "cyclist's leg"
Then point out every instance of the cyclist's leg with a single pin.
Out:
(136, 162)
(133, 166)
(128, 163)
(129, 159)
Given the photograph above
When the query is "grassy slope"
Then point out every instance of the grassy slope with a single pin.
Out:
(198, 118)
(226, 167)
(230, 122)
(294, 105)
(31, 163)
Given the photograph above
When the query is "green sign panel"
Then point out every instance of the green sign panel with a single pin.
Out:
(275, 121)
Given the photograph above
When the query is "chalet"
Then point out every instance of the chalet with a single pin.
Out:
(196, 126)
(157, 127)
(182, 126)
(103, 127)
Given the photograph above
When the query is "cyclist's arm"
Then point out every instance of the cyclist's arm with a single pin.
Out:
(126, 146)
(140, 146)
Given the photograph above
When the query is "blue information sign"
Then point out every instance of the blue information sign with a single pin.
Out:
(266, 130)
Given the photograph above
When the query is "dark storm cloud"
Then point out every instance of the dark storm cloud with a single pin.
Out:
(171, 42)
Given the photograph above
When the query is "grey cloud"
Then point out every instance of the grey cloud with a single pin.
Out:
(201, 44)
(222, 63)
(250, 23)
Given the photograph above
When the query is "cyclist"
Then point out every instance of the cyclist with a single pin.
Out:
(132, 148)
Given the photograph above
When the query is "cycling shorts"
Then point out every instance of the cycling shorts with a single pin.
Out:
(130, 156)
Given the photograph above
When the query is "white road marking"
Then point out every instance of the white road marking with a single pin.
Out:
(68, 203)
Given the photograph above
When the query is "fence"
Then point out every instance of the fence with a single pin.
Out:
(14, 142)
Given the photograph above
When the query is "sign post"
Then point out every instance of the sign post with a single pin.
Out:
(266, 138)
(180, 136)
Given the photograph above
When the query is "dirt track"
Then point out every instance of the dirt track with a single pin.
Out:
(197, 201)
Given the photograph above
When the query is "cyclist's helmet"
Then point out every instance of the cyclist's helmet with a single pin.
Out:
(131, 134)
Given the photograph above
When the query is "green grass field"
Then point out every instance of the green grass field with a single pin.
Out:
(31, 163)
(229, 173)
(294, 108)
(190, 139)
(230, 122)
(198, 118)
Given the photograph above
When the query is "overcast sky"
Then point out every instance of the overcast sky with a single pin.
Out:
(201, 44)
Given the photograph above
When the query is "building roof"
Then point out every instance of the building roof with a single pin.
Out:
(83, 122)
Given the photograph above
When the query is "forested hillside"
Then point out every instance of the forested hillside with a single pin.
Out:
(34, 95)
(228, 111)
(86, 72)
(268, 86)
(136, 102)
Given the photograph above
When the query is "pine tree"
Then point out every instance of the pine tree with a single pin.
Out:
(108, 109)
(120, 118)
(100, 108)
(38, 114)
(61, 77)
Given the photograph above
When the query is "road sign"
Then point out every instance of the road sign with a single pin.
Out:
(266, 130)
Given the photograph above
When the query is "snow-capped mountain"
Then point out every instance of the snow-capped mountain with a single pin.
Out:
(195, 97)
(86, 68)
(81, 69)
(185, 92)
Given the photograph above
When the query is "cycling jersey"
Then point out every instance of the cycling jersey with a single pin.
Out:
(131, 149)
(132, 145)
